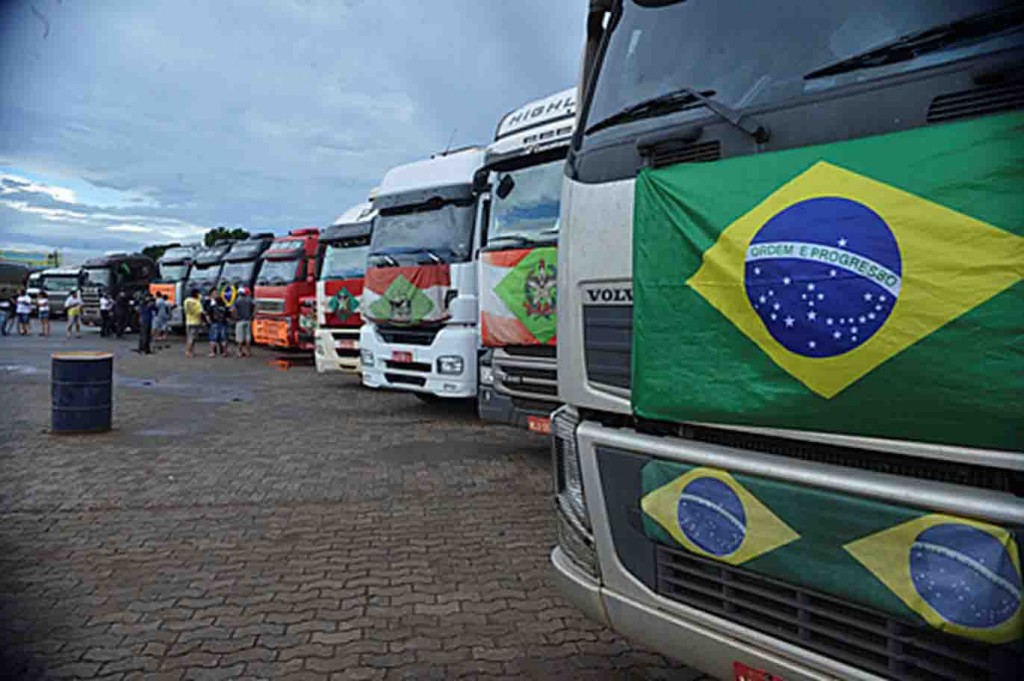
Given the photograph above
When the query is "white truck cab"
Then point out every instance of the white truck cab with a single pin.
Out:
(419, 302)
(519, 263)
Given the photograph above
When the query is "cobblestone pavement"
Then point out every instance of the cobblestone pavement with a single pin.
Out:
(244, 521)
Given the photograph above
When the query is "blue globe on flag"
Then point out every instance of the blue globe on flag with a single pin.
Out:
(823, 275)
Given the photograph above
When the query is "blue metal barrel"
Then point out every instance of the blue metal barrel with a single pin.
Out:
(82, 392)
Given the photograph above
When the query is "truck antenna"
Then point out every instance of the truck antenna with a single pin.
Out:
(450, 140)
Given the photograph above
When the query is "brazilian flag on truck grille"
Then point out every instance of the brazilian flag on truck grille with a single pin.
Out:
(957, 575)
(870, 287)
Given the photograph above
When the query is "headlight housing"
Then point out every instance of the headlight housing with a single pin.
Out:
(575, 536)
(451, 365)
(367, 357)
(320, 349)
(486, 374)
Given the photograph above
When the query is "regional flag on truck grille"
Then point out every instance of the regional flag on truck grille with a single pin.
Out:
(868, 287)
(519, 296)
(406, 295)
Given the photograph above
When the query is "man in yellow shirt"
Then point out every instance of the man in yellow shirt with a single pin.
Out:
(193, 309)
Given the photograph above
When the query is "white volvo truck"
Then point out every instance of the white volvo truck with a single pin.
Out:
(518, 263)
(340, 267)
(790, 307)
(419, 301)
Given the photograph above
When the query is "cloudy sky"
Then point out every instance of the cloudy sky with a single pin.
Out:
(129, 123)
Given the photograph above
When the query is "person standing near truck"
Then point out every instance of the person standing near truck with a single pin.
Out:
(5, 314)
(193, 309)
(73, 307)
(106, 310)
(24, 309)
(244, 310)
(44, 313)
(147, 308)
(217, 313)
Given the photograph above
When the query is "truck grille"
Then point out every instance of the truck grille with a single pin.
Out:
(270, 305)
(855, 635)
(413, 336)
(531, 377)
(608, 344)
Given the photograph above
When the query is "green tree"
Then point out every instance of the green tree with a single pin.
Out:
(218, 233)
(157, 250)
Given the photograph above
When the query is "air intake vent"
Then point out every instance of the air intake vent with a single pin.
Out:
(977, 102)
(690, 153)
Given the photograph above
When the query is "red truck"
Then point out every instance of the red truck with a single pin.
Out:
(286, 277)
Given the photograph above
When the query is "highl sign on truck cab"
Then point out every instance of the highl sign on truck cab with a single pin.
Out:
(519, 262)
(419, 301)
(286, 276)
(341, 266)
(790, 322)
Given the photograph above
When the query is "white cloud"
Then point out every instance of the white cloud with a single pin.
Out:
(139, 229)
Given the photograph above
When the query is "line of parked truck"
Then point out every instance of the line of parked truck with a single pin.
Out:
(767, 287)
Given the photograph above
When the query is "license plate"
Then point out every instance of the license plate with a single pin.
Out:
(539, 424)
(346, 345)
(742, 672)
(401, 356)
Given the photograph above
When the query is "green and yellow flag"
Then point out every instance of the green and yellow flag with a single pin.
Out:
(869, 287)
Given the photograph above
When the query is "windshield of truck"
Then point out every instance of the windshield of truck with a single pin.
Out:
(178, 253)
(238, 273)
(748, 54)
(97, 276)
(204, 275)
(433, 236)
(278, 272)
(341, 262)
(172, 272)
(529, 210)
(60, 284)
(34, 280)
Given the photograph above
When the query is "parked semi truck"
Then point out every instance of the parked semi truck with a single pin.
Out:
(419, 301)
(58, 282)
(519, 261)
(207, 264)
(789, 337)
(172, 274)
(341, 266)
(287, 275)
(115, 273)
(242, 263)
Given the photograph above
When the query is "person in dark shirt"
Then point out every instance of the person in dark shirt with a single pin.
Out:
(243, 313)
(218, 312)
(147, 308)
(122, 310)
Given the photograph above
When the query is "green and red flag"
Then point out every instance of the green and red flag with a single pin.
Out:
(406, 295)
(518, 300)
(342, 307)
(869, 287)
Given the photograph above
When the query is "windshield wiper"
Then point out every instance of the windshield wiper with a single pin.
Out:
(935, 39)
(438, 260)
(520, 239)
(679, 98)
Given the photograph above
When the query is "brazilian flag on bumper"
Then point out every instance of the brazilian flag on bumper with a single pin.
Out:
(870, 287)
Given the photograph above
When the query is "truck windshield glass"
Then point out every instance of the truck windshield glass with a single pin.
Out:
(238, 273)
(97, 276)
(204, 275)
(344, 263)
(529, 212)
(278, 272)
(430, 236)
(173, 272)
(61, 284)
(749, 54)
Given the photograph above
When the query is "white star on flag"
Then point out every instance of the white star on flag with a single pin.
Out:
(867, 296)
(789, 321)
(842, 242)
(786, 280)
(812, 315)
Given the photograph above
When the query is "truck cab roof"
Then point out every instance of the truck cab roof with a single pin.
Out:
(249, 249)
(211, 255)
(535, 127)
(356, 222)
(109, 259)
(447, 176)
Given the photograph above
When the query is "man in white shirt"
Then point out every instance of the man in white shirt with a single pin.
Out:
(23, 310)
(106, 309)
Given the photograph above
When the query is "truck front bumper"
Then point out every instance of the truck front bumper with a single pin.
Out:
(383, 369)
(337, 350)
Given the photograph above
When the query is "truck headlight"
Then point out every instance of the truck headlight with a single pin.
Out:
(572, 520)
(320, 350)
(450, 365)
(367, 357)
(486, 375)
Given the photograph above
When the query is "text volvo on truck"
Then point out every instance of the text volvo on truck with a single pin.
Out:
(115, 273)
(519, 261)
(287, 275)
(419, 300)
(341, 266)
(790, 311)
(172, 273)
